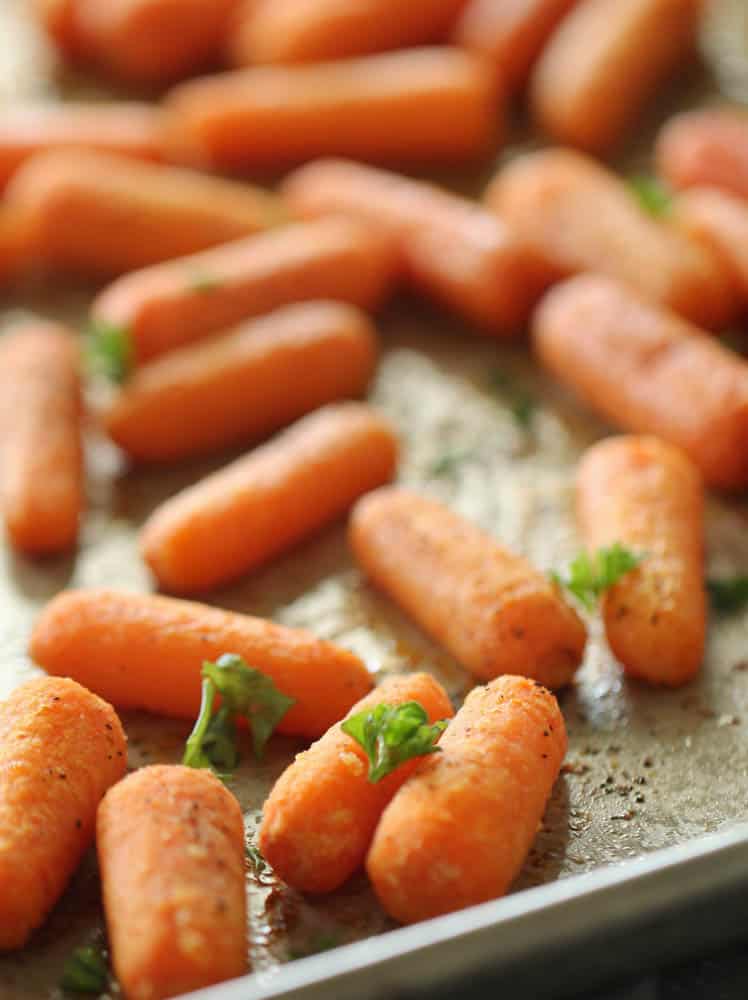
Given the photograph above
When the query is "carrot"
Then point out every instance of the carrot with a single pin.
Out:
(171, 304)
(42, 478)
(605, 62)
(319, 819)
(298, 31)
(144, 651)
(58, 19)
(170, 842)
(720, 221)
(385, 108)
(61, 747)
(582, 217)
(459, 829)
(102, 215)
(708, 147)
(246, 514)
(488, 606)
(648, 371)
(648, 495)
(17, 249)
(452, 249)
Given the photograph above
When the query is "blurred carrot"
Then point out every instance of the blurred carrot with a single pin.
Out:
(170, 304)
(386, 108)
(17, 249)
(144, 651)
(648, 371)
(490, 608)
(644, 493)
(707, 147)
(452, 248)
(58, 19)
(720, 221)
(61, 747)
(244, 384)
(582, 217)
(170, 842)
(266, 502)
(605, 61)
(458, 831)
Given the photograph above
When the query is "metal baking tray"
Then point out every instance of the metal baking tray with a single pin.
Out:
(619, 857)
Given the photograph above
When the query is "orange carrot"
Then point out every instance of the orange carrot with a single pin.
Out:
(17, 249)
(604, 63)
(102, 215)
(452, 249)
(490, 608)
(708, 147)
(582, 217)
(58, 19)
(170, 842)
(647, 495)
(144, 651)
(244, 384)
(648, 371)
(42, 477)
(385, 108)
(319, 819)
(720, 221)
(61, 747)
(263, 504)
(458, 831)
(171, 304)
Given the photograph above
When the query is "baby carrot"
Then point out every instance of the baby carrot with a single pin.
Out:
(581, 217)
(452, 248)
(385, 108)
(489, 607)
(102, 215)
(170, 842)
(266, 502)
(144, 651)
(720, 221)
(458, 831)
(647, 495)
(58, 19)
(173, 303)
(61, 747)
(41, 486)
(708, 147)
(648, 371)
(244, 384)
(17, 249)
(318, 820)
(605, 61)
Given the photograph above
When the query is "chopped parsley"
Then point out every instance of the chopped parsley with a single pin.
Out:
(109, 351)
(653, 196)
(392, 734)
(86, 971)
(591, 575)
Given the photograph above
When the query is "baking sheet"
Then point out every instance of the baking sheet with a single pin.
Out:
(646, 769)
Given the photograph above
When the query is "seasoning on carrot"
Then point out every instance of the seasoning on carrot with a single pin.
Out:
(459, 829)
(146, 652)
(319, 819)
(244, 384)
(170, 842)
(164, 306)
(452, 249)
(269, 500)
(649, 372)
(489, 607)
(720, 221)
(61, 747)
(705, 148)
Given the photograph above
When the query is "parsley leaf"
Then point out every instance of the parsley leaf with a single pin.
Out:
(392, 734)
(86, 971)
(259, 864)
(652, 195)
(591, 575)
(201, 281)
(729, 595)
(522, 405)
(109, 351)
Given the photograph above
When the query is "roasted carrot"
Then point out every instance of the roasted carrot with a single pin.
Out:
(488, 606)
(103, 215)
(605, 61)
(720, 221)
(61, 747)
(458, 831)
(144, 651)
(707, 147)
(170, 842)
(266, 502)
(58, 19)
(581, 217)
(171, 304)
(42, 478)
(648, 371)
(17, 249)
(244, 384)
(453, 249)
(648, 495)
(385, 108)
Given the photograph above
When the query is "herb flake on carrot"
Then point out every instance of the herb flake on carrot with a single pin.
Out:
(86, 971)
(652, 195)
(109, 351)
(391, 734)
(590, 575)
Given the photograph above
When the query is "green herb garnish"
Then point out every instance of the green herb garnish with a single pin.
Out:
(392, 734)
(259, 864)
(448, 464)
(591, 575)
(109, 351)
(729, 595)
(522, 405)
(323, 942)
(86, 971)
(199, 282)
(653, 196)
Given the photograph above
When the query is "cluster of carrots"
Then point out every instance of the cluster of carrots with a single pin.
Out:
(230, 312)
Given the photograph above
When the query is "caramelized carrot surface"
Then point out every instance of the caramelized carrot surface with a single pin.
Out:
(706, 147)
